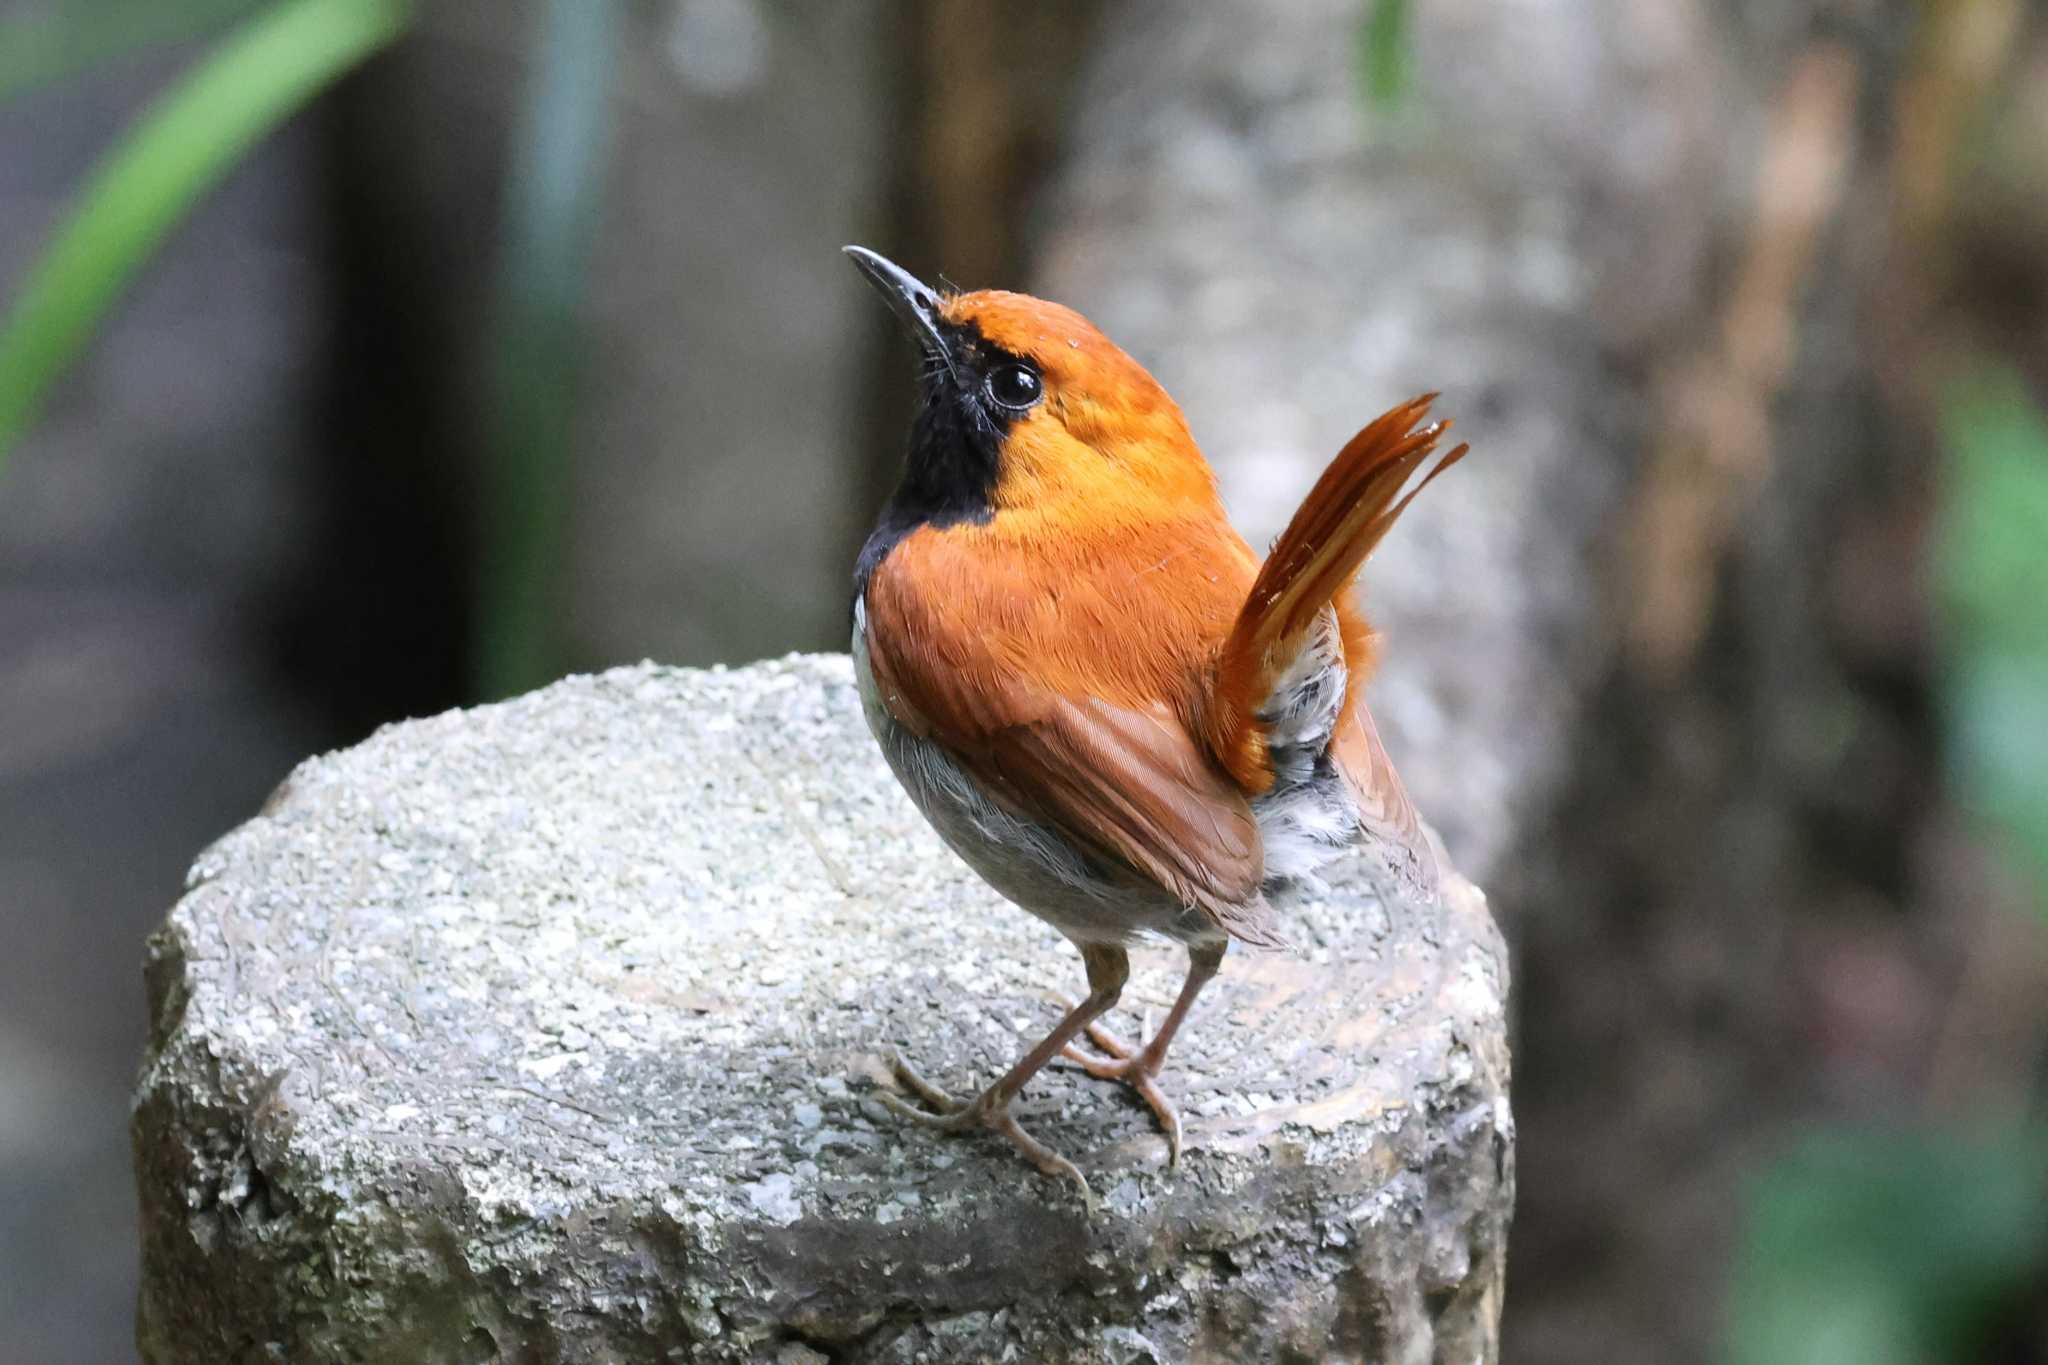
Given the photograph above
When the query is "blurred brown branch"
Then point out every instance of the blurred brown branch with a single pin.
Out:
(1715, 446)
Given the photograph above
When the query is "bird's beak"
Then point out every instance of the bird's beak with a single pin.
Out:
(910, 298)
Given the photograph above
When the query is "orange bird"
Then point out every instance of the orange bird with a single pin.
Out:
(1091, 686)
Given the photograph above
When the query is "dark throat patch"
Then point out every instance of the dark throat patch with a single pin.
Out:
(955, 457)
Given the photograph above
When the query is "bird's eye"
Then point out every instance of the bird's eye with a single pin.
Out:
(1014, 386)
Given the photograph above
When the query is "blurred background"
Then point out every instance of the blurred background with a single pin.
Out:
(360, 359)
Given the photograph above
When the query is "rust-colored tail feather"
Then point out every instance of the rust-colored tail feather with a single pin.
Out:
(1344, 517)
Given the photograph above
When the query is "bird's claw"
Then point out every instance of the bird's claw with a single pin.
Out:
(1117, 1049)
(935, 1098)
(985, 1110)
(1134, 1068)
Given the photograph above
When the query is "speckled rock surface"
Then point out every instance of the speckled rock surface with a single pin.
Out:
(551, 1031)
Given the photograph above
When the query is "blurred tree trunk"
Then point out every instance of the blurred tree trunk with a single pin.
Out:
(1657, 657)
(981, 99)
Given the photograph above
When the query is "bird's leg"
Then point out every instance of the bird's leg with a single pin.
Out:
(1139, 1067)
(1108, 969)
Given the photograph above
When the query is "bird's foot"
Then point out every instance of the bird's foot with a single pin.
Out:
(987, 1110)
(1139, 1069)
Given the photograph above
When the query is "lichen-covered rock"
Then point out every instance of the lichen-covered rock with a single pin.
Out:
(551, 1031)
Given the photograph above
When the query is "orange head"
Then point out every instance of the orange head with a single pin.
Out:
(1025, 407)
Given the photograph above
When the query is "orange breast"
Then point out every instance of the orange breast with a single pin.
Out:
(1069, 678)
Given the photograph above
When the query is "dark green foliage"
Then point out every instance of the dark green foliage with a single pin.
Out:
(1912, 1249)
(1994, 579)
(551, 224)
(1889, 1249)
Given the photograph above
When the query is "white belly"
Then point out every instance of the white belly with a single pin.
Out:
(1030, 864)
(1307, 818)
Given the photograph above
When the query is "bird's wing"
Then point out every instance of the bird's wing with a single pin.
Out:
(1121, 774)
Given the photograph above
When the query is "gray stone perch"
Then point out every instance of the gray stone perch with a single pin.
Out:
(551, 1031)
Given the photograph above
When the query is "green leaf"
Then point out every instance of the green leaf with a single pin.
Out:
(257, 78)
(1994, 586)
(80, 34)
(1993, 572)
(1882, 1249)
(1383, 53)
